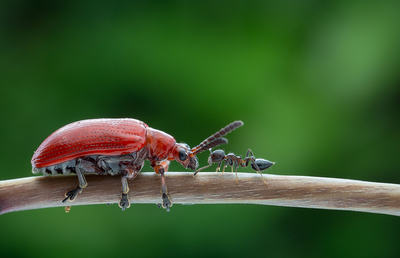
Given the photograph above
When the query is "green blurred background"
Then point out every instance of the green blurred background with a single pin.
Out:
(316, 83)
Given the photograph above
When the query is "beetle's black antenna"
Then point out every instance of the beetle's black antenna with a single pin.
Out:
(216, 139)
(216, 142)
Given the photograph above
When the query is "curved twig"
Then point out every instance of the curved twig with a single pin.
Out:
(206, 188)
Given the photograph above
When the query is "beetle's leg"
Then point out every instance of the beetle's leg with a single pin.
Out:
(128, 172)
(71, 195)
(166, 200)
(165, 164)
(124, 202)
(159, 169)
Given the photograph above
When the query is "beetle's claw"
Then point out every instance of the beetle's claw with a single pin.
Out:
(166, 202)
(124, 203)
(71, 195)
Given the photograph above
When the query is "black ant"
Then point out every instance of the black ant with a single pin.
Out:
(235, 161)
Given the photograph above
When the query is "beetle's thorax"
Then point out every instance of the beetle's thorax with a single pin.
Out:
(159, 144)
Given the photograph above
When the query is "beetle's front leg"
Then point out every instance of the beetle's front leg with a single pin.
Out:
(159, 169)
(165, 164)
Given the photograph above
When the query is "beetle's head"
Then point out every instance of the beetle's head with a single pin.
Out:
(187, 157)
(183, 155)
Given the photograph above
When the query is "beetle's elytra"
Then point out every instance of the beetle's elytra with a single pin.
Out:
(116, 146)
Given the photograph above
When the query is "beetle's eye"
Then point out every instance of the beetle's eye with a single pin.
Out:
(182, 155)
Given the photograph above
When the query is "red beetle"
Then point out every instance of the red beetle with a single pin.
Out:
(116, 146)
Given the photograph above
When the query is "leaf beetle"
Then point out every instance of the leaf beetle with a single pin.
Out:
(117, 147)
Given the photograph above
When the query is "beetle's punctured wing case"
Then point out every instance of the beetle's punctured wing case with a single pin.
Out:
(91, 137)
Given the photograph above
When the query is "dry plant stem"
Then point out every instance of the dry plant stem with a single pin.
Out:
(206, 188)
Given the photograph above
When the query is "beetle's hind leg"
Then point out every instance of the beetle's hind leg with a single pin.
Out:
(81, 167)
(71, 195)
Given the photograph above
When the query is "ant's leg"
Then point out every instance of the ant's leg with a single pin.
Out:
(159, 169)
(235, 164)
(249, 152)
(249, 156)
(71, 195)
(200, 169)
(227, 163)
(219, 167)
(229, 160)
(254, 165)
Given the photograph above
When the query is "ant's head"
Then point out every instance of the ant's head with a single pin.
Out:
(216, 156)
